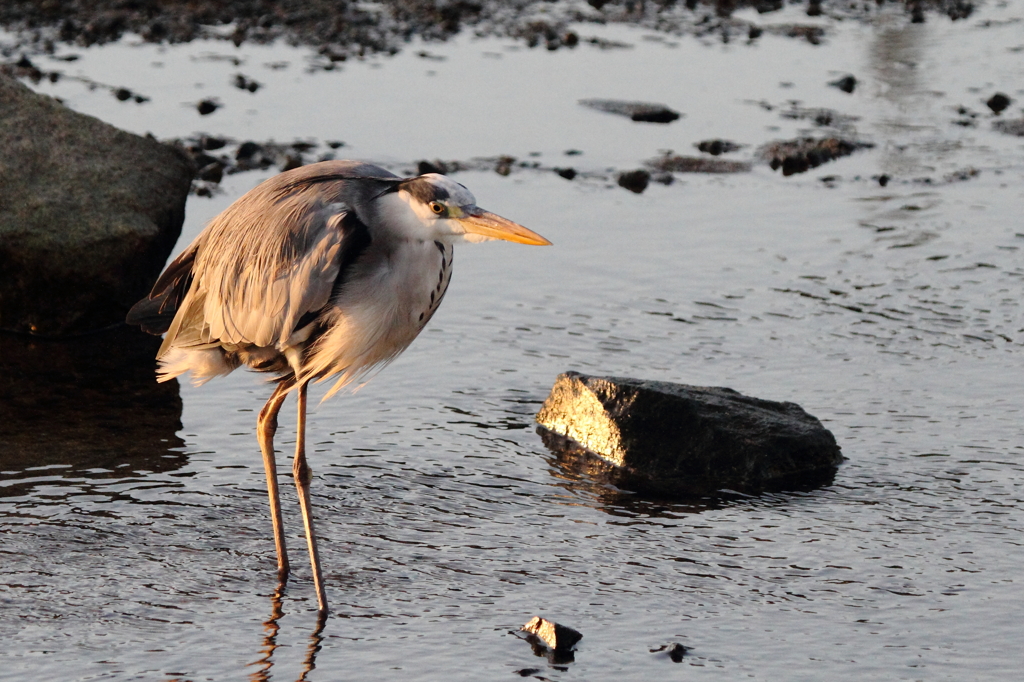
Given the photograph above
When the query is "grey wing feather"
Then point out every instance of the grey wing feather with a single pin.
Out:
(267, 261)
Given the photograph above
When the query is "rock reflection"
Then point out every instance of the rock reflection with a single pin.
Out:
(87, 403)
(894, 56)
(618, 493)
(272, 628)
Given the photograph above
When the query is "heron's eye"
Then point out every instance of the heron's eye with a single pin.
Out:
(437, 207)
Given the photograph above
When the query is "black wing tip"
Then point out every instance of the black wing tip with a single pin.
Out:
(147, 314)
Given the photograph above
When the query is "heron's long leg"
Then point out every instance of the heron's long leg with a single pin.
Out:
(303, 476)
(266, 427)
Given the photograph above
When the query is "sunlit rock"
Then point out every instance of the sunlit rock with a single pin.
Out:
(554, 636)
(683, 439)
(88, 215)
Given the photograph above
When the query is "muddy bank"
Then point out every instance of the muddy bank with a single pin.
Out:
(343, 30)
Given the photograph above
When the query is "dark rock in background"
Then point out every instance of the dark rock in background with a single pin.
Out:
(717, 147)
(685, 439)
(88, 215)
(998, 102)
(801, 155)
(635, 181)
(637, 111)
(846, 83)
(697, 164)
(207, 106)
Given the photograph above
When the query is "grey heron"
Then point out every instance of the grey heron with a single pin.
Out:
(328, 270)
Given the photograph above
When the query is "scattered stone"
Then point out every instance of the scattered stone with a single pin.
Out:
(291, 162)
(962, 175)
(243, 83)
(207, 106)
(435, 166)
(635, 181)
(554, 636)
(846, 84)
(212, 172)
(800, 155)
(697, 164)
(958, 9)
(673, 652)
(247, 150)
(637, 111)
(211, 143)
(821, 117)
(88, 217)
(998, 102)
(573, 152)
(123, 94)
(504, 165)
(812, 34)
(676, 439)
(1010, 127)
(717, 147)
(883, 179)
(567, 173)
(528, 672)
(968, 118)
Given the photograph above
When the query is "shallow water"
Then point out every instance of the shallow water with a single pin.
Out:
(891, 313)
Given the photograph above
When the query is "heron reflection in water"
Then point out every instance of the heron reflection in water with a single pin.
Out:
(329, 270)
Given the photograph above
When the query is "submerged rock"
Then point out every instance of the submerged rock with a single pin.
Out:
(88, 215)
(646, 112)
(1010, 127)
(801, 155)
(717, 147)
(674, 652)
(697, 164)
(690, 440)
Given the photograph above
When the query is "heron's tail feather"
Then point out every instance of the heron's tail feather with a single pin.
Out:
(155, 312)
(204, 364)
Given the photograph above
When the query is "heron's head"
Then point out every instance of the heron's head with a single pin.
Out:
(437, 208)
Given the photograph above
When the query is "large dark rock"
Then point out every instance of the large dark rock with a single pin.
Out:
(684, 439)
(88, 215)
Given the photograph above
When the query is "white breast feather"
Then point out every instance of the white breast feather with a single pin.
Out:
(377, 314)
